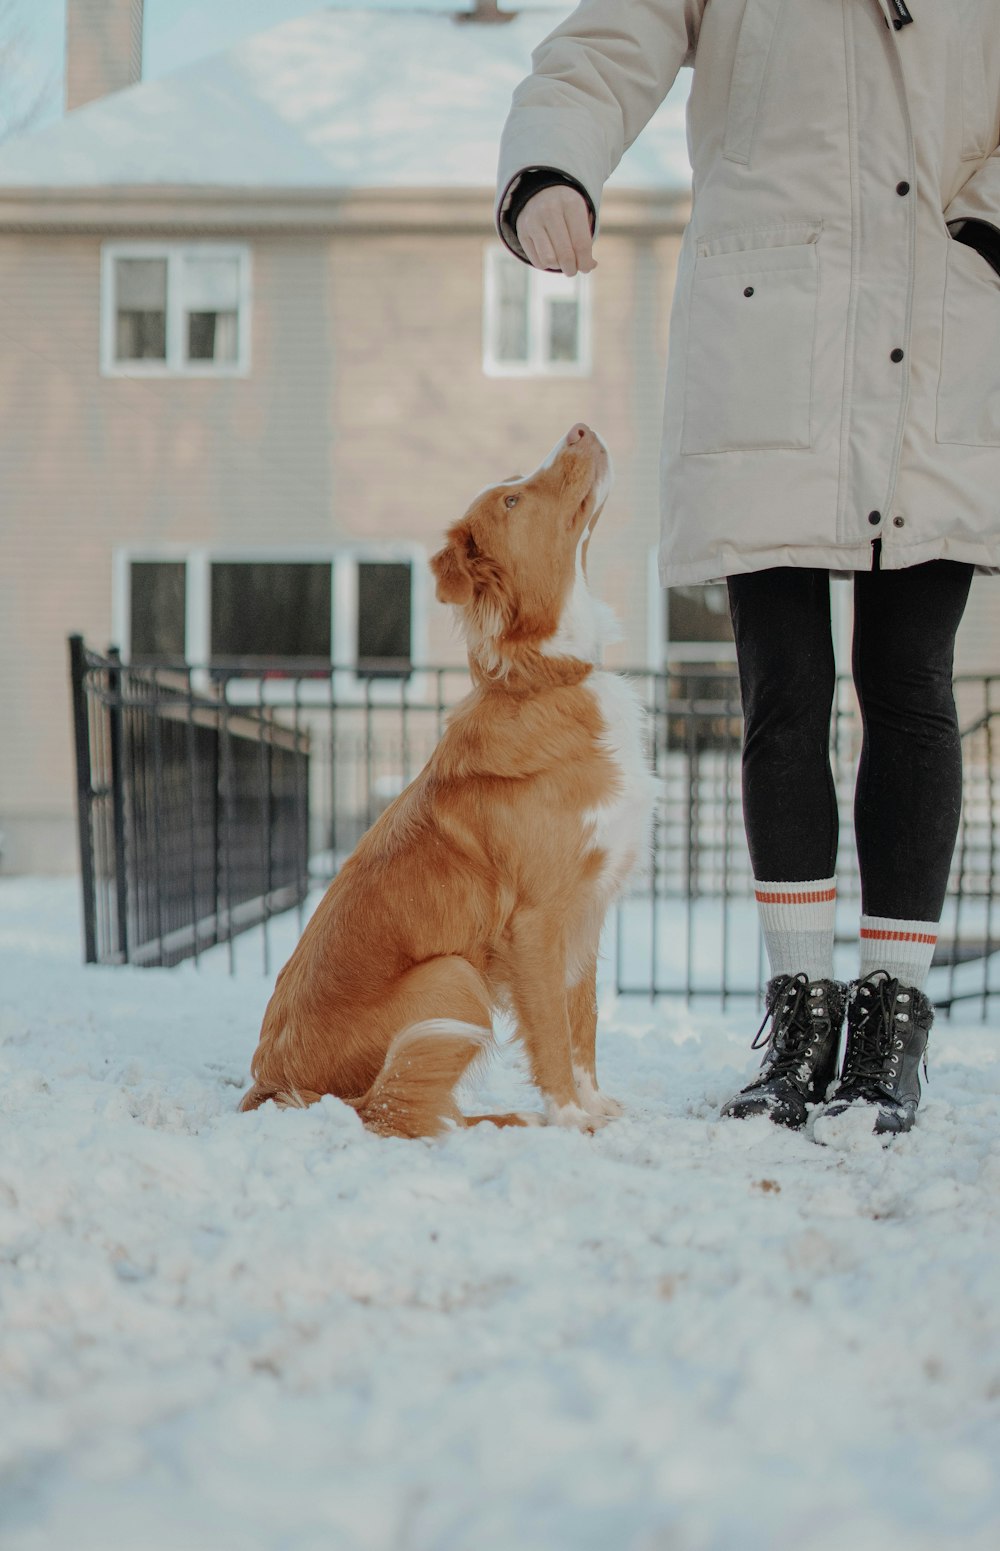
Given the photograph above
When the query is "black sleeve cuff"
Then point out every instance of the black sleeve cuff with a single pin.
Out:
(981, 236)
(530, 182)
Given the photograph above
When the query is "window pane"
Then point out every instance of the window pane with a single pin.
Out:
(512, 279)
(564, 331)
(211, 284)
(211, 298)
(270, 610)
(384, 592)
(698, 613)
(211, 336)
(157, 595)
(140, 309)
(141, 284)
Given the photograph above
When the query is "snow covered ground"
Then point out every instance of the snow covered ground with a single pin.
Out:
(224, 1332)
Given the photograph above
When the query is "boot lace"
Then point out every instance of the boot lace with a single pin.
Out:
(869, 1047)
(792, 1028)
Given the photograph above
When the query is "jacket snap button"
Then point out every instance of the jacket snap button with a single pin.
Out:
(748, 291)
(898, 522)
(896, 355)
(902, 188)
(874, 518)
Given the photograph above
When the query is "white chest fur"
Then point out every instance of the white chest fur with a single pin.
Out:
(621, 825)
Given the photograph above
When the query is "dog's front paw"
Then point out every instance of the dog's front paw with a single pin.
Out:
(574, 1116)
(593, 1100)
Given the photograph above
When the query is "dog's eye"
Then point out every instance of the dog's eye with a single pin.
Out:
(511, 500)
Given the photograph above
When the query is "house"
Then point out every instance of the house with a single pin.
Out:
(260, 345)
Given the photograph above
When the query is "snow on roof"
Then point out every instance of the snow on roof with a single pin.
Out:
(338, 98)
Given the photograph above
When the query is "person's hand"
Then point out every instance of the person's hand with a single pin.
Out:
(554, 230)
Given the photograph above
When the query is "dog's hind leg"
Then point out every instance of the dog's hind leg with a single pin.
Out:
(441, 1012)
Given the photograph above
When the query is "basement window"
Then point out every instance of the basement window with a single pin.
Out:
(693, 651)
(274, 616)
(175, 309)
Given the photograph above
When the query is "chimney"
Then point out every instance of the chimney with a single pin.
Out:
(485, 11)
(103, 48)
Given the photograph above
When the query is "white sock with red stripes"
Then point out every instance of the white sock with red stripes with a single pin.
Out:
(797, 921)
(904, 949)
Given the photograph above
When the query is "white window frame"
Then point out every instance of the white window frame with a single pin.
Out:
(175, 364)
(350, 687)
(541, 287)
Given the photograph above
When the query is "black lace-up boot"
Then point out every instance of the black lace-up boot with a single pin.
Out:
(800, 1056)
(887, 1028)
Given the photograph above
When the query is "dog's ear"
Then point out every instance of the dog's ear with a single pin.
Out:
(452, 570)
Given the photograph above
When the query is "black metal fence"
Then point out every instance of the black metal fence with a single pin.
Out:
(193, 813)
(222, 798)
(691, 928)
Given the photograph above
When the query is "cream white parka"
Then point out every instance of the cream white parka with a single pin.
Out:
(834, 352)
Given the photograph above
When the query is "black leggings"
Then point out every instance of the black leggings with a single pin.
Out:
(909, 788)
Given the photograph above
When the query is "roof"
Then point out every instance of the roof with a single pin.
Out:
(338, 99)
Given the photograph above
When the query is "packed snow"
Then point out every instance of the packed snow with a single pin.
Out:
(226, 1332)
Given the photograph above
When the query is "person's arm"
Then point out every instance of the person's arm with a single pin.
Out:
(596, 81)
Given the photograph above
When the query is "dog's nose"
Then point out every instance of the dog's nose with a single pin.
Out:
(576, 433)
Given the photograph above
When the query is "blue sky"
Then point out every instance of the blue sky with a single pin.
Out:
(176, 33)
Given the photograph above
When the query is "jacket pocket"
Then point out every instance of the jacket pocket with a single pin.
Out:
(968, 400)
(750, 346)
(753, 51)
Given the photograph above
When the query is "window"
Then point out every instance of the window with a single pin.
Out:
(691, 637)
(175, 309)
(696, 620)
(278, 611)
(384, 628)
(140, 309)
(159, 611)
(358, 609)
(534, 322)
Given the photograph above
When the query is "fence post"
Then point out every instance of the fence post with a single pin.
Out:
(84, 792)
(117, 735)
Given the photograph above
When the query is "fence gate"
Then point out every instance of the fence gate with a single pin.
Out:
(193, 814)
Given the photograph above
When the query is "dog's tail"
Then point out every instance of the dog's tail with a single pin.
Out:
(285, 1098)
(413, 1094)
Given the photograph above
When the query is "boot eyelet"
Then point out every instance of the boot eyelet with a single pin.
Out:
(903, 1017)
(899, 1044)
(903, 998)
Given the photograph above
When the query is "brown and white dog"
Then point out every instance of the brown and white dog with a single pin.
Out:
(486, 882)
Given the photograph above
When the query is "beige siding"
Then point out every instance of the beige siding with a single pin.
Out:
(366, 415)
(88, 463)
(421, 428)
